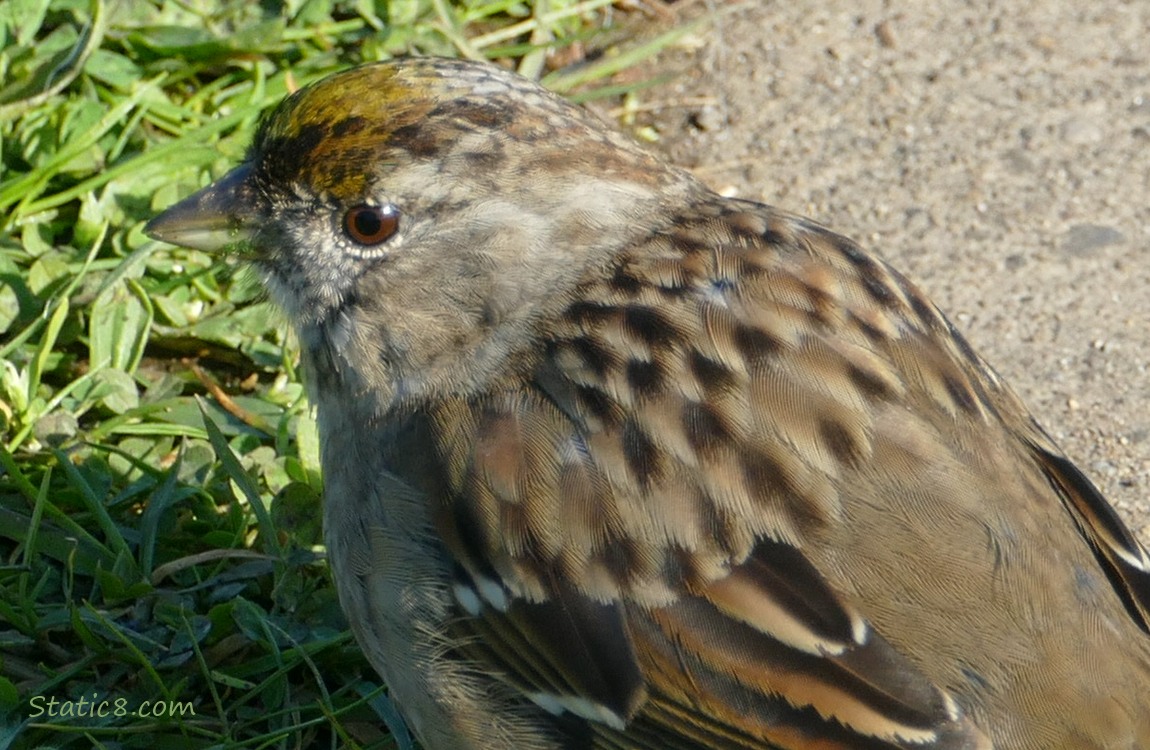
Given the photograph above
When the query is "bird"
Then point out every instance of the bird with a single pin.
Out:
(614, 462)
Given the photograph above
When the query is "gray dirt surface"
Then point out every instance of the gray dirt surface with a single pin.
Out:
(998, 153)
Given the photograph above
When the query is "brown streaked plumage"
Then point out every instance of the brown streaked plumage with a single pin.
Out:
(613, 462)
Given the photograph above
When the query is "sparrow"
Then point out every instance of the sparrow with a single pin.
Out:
(614, 462)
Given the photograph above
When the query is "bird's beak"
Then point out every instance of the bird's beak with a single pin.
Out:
(212, 219)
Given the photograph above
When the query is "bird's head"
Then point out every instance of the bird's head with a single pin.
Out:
(431, 201)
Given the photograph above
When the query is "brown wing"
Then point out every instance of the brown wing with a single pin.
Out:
(685, 650)
(632, 531)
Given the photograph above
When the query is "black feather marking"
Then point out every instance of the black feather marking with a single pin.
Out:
(649, 325)
(645, 378)
(840, 441)
(1108, 537)
(588, 643)
(705, 427)
(713, 376)
(643, 458)
(792, 581)
(755, 344)
(960, 393)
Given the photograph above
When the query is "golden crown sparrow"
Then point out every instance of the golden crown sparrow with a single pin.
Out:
(612, 461)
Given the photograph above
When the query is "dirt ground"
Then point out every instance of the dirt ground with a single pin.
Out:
(998, 153)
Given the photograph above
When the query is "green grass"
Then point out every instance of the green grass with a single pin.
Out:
(159, 483)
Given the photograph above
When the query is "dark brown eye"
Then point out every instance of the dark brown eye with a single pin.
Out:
(370, 225)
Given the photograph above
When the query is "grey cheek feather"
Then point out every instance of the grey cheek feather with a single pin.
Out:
(311, 274)
(339, 331)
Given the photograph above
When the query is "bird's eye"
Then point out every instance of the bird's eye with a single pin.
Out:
(370, 225)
